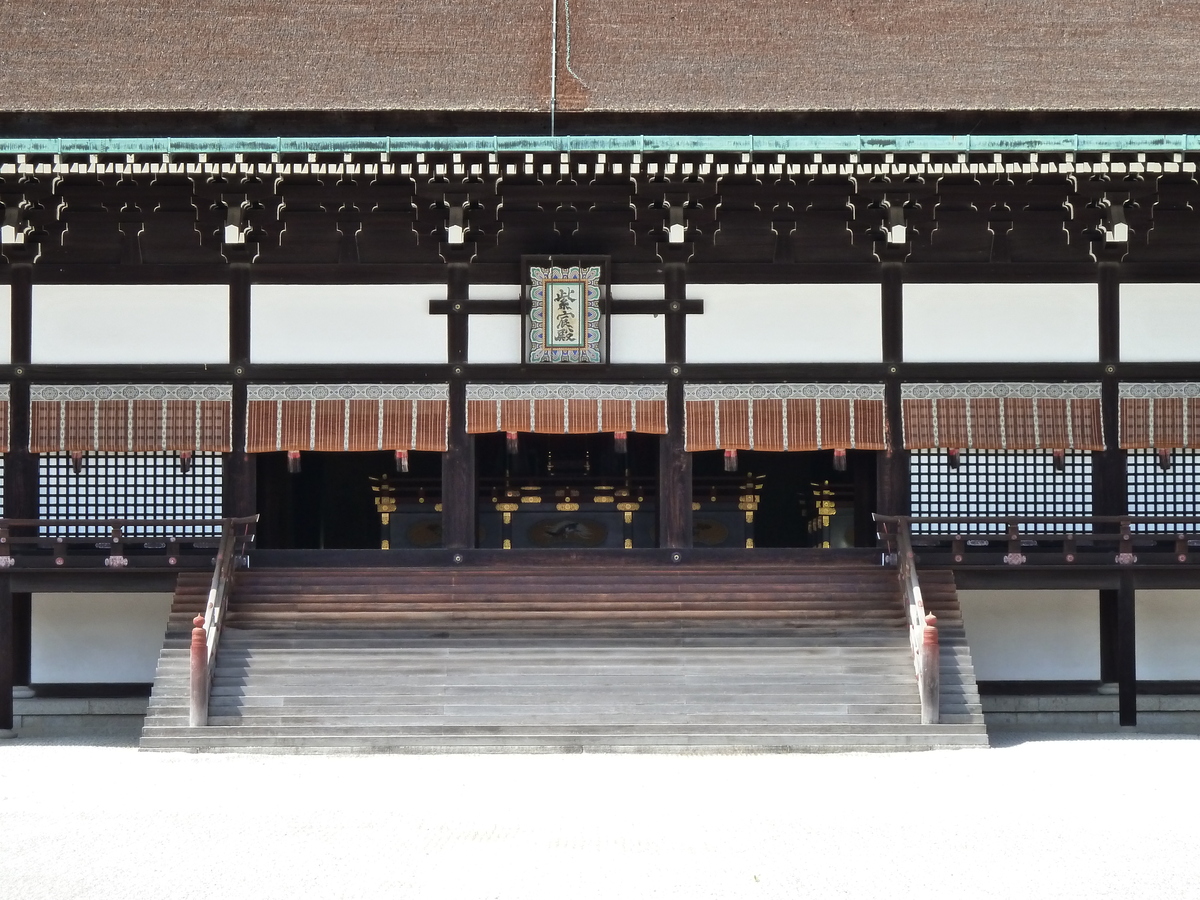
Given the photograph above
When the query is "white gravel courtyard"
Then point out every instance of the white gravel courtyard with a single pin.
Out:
(1036, 818)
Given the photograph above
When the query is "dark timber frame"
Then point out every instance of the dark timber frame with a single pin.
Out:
(753, 222)
(767, 218)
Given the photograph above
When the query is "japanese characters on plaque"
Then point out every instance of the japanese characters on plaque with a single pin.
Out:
(565, 313)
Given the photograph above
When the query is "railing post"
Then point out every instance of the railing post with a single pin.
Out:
(198, 710)
(930, 672)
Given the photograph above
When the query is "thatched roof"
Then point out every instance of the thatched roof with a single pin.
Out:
(625, 55)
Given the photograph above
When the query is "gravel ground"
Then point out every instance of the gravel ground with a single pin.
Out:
(1032, 818)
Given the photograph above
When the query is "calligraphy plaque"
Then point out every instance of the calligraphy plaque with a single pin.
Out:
(565, 321)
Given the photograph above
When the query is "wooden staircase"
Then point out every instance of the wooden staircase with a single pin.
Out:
(754, 657)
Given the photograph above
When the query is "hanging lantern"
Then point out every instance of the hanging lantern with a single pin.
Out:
(1164, 459)
(401, 460)
(510, 440)
(293, 458)
(839, 460)
(954, 459)
(621, 442)
(1060, 460)
(185, 461)
(76, 461)
(731, 462)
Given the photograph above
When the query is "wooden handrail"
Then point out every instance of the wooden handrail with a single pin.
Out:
(922, 627)
(110, 534)
(206, 630)
(108, 523)
(1041, 520)
(1123, 532)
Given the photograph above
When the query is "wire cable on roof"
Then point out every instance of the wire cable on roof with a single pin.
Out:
(567, 58)
(553, 62)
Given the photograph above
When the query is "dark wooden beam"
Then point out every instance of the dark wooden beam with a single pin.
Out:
(1109, 311)
(1069, 578)
(22, 638)
(624, 271)
(327, 248)
(674, 293)
(674, 476)
(516, 307)
(47, 373)
(892, 466)
(674, 462)
(240, 288)
(1110, 495)
(458, 462)
(457, 288)
(633, 373)
(21, 315)
(1110, 492)
(476, 307)
(891, 302)
(240, 483)
(1109, 667)
(6, 657)
(20, 466)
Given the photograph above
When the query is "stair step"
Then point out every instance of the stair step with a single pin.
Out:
(658, 657)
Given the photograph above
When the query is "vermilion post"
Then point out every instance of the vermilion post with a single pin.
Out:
(198, 711)
(930, 672)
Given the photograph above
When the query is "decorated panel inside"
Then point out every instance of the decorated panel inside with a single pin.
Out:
(566, 307)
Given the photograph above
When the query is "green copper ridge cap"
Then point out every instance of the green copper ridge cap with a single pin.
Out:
(851, 143)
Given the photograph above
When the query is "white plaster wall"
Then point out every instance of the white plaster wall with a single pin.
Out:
(5, 325)
(1001, 323)
(494, 339)
(130, 323)
(87, 638)
(1167, 625)
(637, 339)
(638, 291)
(1160, 322)
(346, 323)
(494, 291)
(785, 323)
(1033, 635)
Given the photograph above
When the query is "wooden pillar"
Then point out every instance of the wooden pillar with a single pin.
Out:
(1110, 497)
(892, 472)
(240, 468)
(458, 462)
(1108, 636)
(6, 658)
(1126, 654)
(22, 643)
(1109, 480)
(674, 462)
(1109, 310)
(20, 491)
(20, 466)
